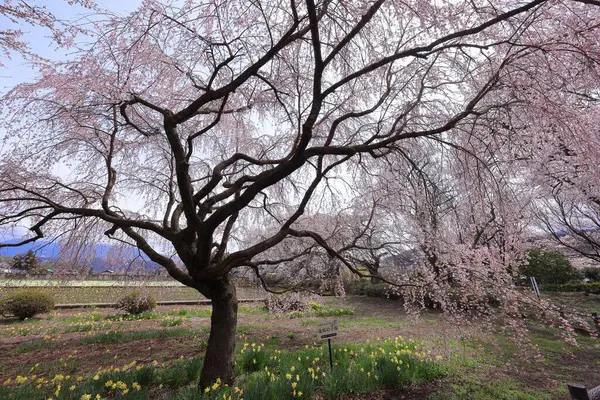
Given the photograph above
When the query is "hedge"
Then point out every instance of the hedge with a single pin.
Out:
(572, 287)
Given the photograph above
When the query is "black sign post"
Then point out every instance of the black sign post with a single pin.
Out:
(330, 356)
(328, 330)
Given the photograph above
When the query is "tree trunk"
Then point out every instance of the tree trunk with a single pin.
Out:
(219, 359)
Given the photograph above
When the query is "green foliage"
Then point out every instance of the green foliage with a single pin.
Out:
(591, 273)
(548, 267)
(137, 302)
(27, 303)
(356, 287)
(364, 287)
(262, 374)
(381, 290)
(357, 369)
(25, 262)
(170, 321)
(132, 384)
(593, 288)
(254, 358)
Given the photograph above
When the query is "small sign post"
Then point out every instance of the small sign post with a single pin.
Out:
(535, 286)
(328, 330)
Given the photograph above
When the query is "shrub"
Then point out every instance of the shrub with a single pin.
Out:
(591, 273)
(548, 267)
(137, 302)
(356, 287)
(27, 303)
(381, 290)
(289, 302)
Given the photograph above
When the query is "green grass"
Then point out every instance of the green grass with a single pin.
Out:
(34, 345)
(319, 310)
(373, 322)
(171, 322)
(119, 337)
(367, 323)
(87, 327)
(90, 292)
(110, 294)
(550, 345)
(189, 313)
(497, 390)
(262, 374)
(110, 384)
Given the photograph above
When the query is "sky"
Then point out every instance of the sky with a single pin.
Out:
(16, 69)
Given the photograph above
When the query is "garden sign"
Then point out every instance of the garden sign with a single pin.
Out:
(328, 330)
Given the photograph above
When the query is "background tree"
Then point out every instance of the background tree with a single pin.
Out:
(179, 127)
(548, 267)
(25, 262)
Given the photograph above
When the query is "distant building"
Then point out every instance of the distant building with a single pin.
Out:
(107, 271)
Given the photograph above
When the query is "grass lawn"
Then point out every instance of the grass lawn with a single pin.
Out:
(111, 293)
(103, 353)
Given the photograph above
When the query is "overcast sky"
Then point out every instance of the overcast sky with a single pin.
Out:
(16, 69)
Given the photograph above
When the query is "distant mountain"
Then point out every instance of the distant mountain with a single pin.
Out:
(42, 249)
(48, 251)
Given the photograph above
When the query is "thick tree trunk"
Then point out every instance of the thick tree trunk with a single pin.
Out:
(374, 280)
(219, 359)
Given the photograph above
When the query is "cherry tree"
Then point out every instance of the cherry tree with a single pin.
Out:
(176, 127)
(356, 237)
(558, 120)
(35, 13)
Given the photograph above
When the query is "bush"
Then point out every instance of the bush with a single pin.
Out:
(289, 302)
(136, 302)
(548, 267)
(381, 290)
(356, 287)
(591, 273)
(26, 304)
